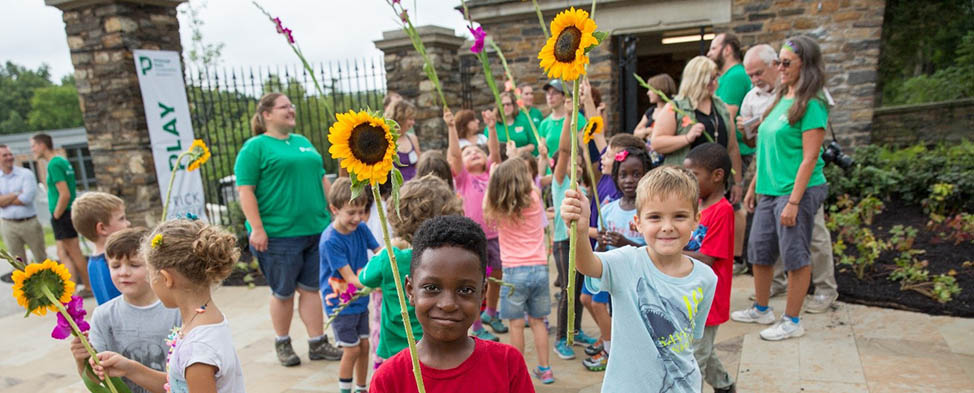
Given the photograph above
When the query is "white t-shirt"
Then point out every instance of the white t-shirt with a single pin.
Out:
(207, 344)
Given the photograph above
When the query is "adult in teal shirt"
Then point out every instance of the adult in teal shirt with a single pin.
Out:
(733, 85)
(789, 186)
(517, 125)
(282, 186)
(550, 130)
(527, 99)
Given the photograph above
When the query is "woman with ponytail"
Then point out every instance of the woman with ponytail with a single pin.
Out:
(282, 185)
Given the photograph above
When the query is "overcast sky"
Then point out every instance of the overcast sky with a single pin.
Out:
(33, 34)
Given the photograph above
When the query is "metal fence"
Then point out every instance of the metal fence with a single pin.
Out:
(222, 102)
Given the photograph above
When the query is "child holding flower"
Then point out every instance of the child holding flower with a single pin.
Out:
(185, 259)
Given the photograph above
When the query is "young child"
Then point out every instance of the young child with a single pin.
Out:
(446, 285)
(186, 258)
(419, 200)
(514, 205)
(343, 250)
(661, 297)
(471, 172)
(713, 244)
(135, 324)
(96, 215)
(433, 161)
(629, 166)
(608, 191)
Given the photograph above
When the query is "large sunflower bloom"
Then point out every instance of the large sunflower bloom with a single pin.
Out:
(364, 144)
(28, 283)
(563, 56)
(593, 127)
(199, 153)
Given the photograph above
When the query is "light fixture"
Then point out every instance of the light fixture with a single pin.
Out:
(687, 38)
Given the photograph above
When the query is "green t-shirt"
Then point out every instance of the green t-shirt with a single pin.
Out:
(536, 116)
(779, 148)
(520, 132)
(286, 175)
(58, 170)
(732, 87)
(550, 130)
(378, 274)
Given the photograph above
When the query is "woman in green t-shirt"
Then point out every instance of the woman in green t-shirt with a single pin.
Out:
(517, 125)
(282, 185)
(789, 186)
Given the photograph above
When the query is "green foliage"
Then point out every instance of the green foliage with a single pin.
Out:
(201, 54)
(55, 107)
(908, 270)
(847, 218)
(902, 238)
(944, 288)
(957, 229)
(18, 84)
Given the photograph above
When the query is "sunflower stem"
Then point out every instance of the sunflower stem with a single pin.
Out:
(172, 179)
(74, 329)
(544, 28)
(592, 14)
(417, 373)
(573, 235)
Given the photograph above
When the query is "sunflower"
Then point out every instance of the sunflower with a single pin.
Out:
(28, 284)
(593, 127)
(200, 154)
(563, 56)
(365, 144)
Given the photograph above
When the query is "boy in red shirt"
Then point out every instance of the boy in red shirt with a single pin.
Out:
(446, 285)
(713, 243)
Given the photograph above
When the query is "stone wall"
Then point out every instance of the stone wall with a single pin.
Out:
(101, 36)
(939, 122)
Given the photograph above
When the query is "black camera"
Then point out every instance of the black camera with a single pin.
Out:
(833, 154)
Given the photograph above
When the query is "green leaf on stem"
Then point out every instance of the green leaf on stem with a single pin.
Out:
(397, 181)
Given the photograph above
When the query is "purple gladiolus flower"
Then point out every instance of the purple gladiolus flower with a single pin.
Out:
(347, 295)
(76, 308)
(287, 33)
(280, 27)
(478, 36)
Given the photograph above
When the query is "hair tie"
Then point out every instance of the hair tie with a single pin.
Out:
(622, 155)
(156, 241)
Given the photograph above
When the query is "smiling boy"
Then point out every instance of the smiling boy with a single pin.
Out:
(446, 285)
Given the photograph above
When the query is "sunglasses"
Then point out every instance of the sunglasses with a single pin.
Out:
(782, 63)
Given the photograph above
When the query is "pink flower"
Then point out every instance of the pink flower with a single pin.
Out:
(404, 16)
(76, 309)
(280, 27)
(396, 1)
(347, 295)
(622, 155)
(686, 121)
(287, 33)
(478, 36)
(489, 270)
(509, 85)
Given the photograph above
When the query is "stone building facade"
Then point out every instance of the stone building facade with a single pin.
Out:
(101, 36)
(849, 32)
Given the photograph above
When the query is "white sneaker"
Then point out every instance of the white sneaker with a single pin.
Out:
(752, 315)
(818, 304)
(784, 329)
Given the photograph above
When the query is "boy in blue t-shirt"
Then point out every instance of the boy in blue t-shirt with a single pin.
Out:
(661, 298)
(343, 250)
(96, 215)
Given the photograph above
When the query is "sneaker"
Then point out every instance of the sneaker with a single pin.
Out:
(752, 315)
(775, 292)
(546, 376)
(323, 350)
(740, 268)
(563, 350)
(820, 303)
(359, 389)
(729, 389)
(84, 292)
(285, 354)
(784, 329)
(483, 334)
(594, 349)
(583, 340)
(494, 322)
(596, 362)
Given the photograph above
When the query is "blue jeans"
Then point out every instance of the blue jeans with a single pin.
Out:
(530, 295)
(289, 263)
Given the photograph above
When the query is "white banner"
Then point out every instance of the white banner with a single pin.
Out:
(170, 130)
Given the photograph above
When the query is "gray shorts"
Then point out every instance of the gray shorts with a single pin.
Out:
(351, 329)
(769, 238)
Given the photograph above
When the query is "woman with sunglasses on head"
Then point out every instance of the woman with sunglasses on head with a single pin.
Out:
(675, 135)
(789, 186)
(517, 126)
(282, 186)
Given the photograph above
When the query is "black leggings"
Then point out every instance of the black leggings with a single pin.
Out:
(561, 262)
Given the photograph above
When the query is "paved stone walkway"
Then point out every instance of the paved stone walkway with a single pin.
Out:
(851, 349)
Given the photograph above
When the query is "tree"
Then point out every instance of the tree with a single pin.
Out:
(201, 54)
(55, 107)
(18, 84)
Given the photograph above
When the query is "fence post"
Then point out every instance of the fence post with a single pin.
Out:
(404, 74)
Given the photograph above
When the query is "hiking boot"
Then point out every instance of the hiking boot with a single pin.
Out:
(494, 322)
(546, 376)
(583, 340)
(784, 329)
(323, 350)
(563, 350)
(285, 354)
(483, 334)
(752, 315)
(820, 303)
(594, 349)
(596, 362)
(729, 389)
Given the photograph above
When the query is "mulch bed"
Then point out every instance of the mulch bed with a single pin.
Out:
(877, 290)
(236, 278)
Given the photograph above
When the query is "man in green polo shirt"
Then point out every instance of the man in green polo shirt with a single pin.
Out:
(60, 194)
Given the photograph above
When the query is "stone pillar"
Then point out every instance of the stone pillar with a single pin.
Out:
(101, 37)
(404, 74)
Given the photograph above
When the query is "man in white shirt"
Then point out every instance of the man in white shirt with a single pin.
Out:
(20, 227)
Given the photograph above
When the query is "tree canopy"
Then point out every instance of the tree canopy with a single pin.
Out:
(31, 101)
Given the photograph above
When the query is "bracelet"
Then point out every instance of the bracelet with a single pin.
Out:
(687, 137)
(793, 203)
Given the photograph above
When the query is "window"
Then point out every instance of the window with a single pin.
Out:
(84, 169)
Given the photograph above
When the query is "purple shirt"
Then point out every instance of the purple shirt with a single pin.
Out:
(608, 193)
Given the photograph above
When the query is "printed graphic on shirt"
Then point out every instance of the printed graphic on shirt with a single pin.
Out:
(670, 324)
(696, 239)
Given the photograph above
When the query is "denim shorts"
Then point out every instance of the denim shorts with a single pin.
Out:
(531, 294)
(350, 329)
(769, 239)
(289, 263)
